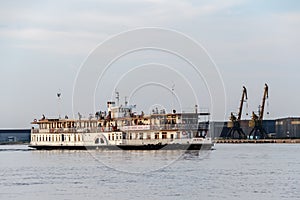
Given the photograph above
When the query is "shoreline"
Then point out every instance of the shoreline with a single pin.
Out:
(14, 143)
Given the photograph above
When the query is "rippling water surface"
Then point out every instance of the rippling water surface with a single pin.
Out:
(232, 171)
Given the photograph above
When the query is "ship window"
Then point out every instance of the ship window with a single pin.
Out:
(108, 136)
(113, 136)
(141, 136)
(148, 136)
(164, 135)
(156, 136)
(101, 140)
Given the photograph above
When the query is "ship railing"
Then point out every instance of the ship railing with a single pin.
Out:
(35, 131)
(165, 127)
(95, 129)
(55, 130)
(156, 141)
(175, 127)
(188, 126)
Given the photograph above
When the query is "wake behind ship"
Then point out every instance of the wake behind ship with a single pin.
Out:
(121, 129)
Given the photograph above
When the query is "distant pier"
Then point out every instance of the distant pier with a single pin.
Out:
(239, 141)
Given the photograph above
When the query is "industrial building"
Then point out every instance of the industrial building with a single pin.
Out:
(14, 136)
(220, 129)
(288, 127)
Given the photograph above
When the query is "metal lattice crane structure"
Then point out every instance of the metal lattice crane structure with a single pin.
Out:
(257, 120)
(235, 122)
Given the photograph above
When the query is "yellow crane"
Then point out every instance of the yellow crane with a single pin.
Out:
(257, 121)
(234, 124)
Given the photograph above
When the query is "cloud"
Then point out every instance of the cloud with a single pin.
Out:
(59, 28)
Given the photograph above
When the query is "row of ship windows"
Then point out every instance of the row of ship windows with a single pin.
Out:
(67, 125)
(141, 136)
(55, 138)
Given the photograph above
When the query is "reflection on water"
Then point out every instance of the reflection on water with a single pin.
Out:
(232, 171)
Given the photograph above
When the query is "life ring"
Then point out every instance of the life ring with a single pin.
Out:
(35, 120)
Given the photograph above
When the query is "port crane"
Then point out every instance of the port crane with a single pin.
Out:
(234, 124)
(257, 120)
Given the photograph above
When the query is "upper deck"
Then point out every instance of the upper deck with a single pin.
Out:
(124, 119)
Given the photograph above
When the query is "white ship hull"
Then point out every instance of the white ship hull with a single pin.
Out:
(104, 140)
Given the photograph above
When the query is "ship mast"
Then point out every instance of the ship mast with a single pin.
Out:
(118, 98)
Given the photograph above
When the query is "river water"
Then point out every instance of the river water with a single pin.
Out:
(232, 171)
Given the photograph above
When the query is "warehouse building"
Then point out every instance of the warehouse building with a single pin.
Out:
(288, 127)
(220, 129)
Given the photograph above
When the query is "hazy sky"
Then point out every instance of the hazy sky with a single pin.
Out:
(44, 43)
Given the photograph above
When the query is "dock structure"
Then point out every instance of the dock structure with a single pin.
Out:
(260, 141)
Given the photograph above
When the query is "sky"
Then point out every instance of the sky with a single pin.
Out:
(44, 44)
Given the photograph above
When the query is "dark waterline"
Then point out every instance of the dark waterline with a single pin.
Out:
(232, 171)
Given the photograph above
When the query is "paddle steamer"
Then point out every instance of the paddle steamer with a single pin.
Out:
(120, 128)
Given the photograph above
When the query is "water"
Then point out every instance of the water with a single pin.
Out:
(232, 171)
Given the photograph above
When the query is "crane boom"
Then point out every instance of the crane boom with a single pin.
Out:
(266, 95)
(244, 97)
(257, 121)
